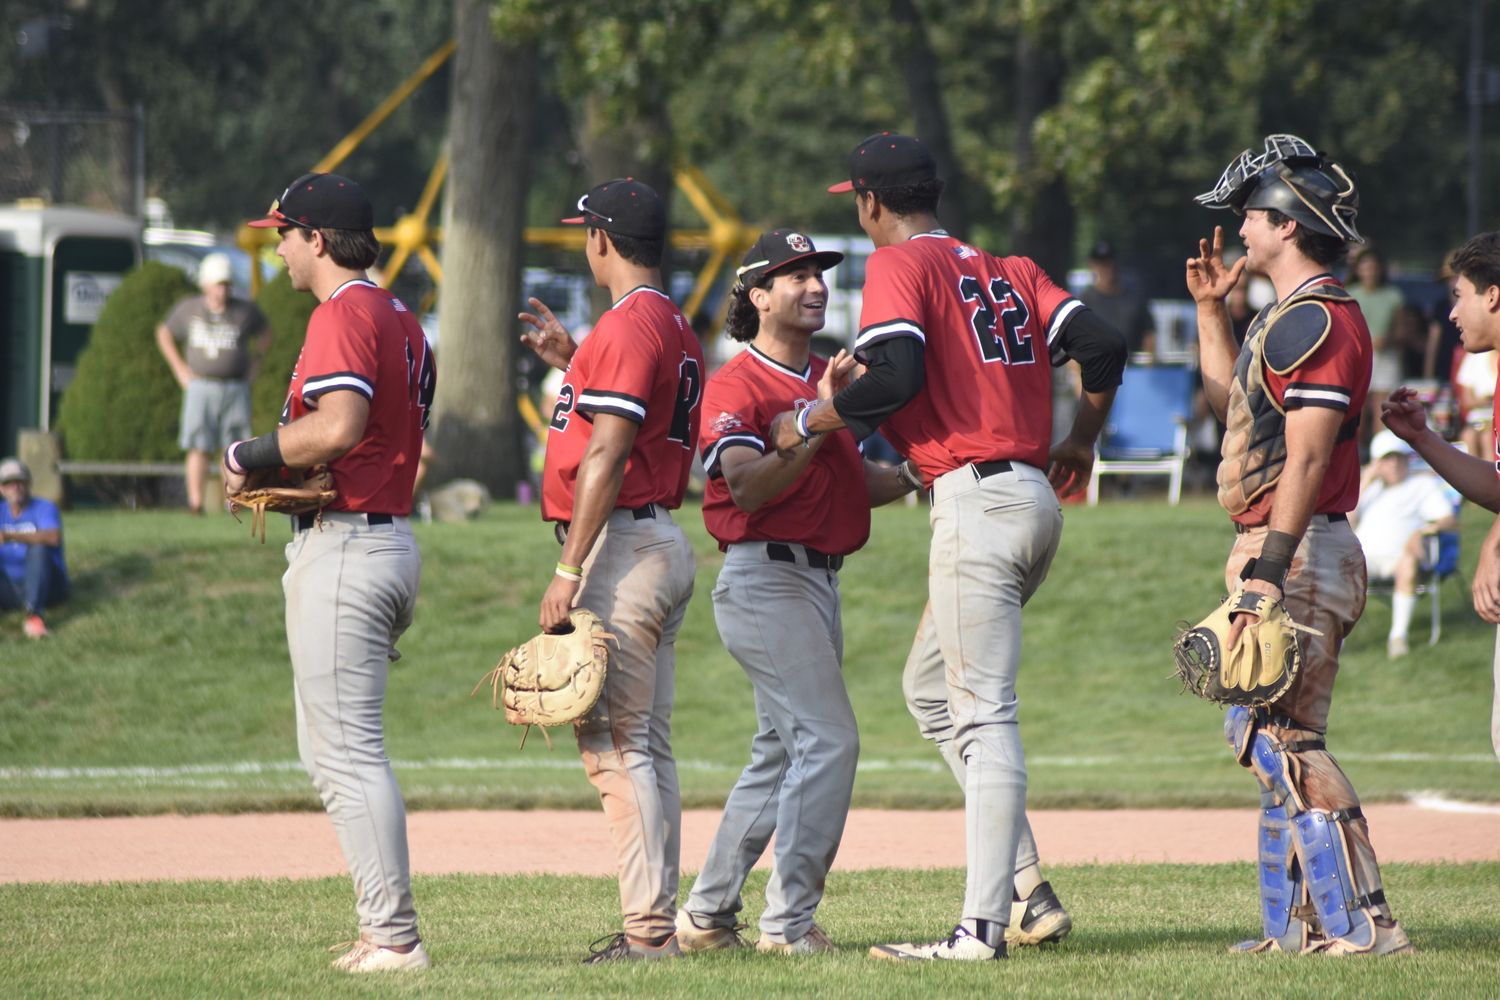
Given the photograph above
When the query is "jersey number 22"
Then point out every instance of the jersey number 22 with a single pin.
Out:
(1008, 345)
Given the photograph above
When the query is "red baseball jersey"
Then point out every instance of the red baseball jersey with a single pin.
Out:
(365, 340)
(827, 507)
(988, 325)
(641, 362)
(1335, 376)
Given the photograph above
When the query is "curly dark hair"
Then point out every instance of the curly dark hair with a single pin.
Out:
(742, 321)
(1320, 248)
(910, 199)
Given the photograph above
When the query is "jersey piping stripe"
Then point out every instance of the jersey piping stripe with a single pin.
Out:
(352, 281)
(1060, 316)
(320, 384)
(641, 288)
(619, 403)
(887, 330)
(1334, 397)
(805, 374)
(713, 452)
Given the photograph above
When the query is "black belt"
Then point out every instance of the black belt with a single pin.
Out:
(646, 513)
(305, 521)
(984, 470)
(1334, 518)
(815, 559)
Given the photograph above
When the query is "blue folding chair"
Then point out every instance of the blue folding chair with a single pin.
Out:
(1147, 429)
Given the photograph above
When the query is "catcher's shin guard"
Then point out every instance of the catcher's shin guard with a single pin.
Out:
(1280, 877)
(1239, 724)
(1325, 861)
(1269, 757)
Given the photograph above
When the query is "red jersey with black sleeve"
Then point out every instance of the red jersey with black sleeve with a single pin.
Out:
(827, 508)
(641, 362)
(989, 326)
(364, 339)
(1336, 376)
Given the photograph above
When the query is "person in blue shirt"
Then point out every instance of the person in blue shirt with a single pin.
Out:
(32, 572)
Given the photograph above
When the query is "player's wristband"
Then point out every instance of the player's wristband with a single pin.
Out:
(566, 575)
(1275, 559)
(569, 569)
(263, 452)
(801, 423)
(908, 474)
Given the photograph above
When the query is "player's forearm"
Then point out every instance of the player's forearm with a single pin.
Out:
(824, 418)
(601, 473)
(1473, 477)
(885, 484)
(755, 482)
(1216, 353)
(1088, 421)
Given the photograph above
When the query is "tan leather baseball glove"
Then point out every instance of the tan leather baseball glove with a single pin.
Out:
(1258, 670)
(552, 679)
(303, 492)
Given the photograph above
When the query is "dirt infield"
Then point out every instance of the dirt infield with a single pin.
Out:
(302, 845)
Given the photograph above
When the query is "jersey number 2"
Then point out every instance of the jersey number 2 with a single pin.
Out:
(689, 393)
(1008, 345)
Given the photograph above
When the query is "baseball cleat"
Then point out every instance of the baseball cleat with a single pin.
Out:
(1396, 647)
(623, 948)
(960, 946)
(368, 957)
(35, 628)
(1038, 919)
(814, 942)
(691, 937)
(1390, 940)
(1256, 947)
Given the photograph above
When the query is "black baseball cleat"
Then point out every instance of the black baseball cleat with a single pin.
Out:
(623, 948)
(1039, 919)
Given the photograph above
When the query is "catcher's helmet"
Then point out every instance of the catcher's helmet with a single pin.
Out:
(1295, 180)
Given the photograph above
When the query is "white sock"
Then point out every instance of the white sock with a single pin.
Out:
(1027, 879)
(1402, 606)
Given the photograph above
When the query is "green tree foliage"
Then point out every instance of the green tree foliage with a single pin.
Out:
(288, 311)
(124, 403)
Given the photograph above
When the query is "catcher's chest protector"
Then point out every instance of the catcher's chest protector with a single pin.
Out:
(1282, 337)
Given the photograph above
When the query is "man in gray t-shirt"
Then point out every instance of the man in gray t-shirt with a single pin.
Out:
(1125, 308)
(217, 330)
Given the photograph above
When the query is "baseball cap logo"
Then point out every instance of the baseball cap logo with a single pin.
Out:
(799, 243)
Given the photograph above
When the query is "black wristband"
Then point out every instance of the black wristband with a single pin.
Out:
(263, 452)
(1275, 559)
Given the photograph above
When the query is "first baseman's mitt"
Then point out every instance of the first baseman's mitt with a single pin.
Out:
(267, 489)
(553, 678)
(1255, 672)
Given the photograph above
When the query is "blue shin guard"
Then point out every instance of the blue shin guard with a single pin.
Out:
(1280, 876)
(1320, 848)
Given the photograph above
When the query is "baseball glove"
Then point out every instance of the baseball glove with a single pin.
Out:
(267, 489)
(1255, 672)
(553, 678)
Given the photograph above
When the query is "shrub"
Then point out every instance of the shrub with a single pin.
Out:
(124, 402)
(288, 312)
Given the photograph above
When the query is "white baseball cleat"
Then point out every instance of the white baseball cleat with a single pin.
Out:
(691, 937)
(961, 946)
(368, 957)
(814, 942)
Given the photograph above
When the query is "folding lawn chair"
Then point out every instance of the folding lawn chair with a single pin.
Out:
(1147, 429)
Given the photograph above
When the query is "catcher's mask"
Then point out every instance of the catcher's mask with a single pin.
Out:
(1295, 180)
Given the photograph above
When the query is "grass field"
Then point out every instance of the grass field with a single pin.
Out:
(167, 685)
(1142, 931)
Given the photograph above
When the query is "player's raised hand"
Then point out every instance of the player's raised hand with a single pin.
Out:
(836, 375)
(1208, 280)
(1405, 417)
(551, 341)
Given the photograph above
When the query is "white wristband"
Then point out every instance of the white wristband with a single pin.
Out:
(801, 422)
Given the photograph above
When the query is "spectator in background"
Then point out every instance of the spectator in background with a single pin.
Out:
(218, 329)
(1379, 300)
(1124, 308)
(1396, 512)
(32, 572)
(1241, 313)
(1474, 379)
(1442, 332)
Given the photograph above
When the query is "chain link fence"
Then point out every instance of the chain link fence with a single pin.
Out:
(92, 158)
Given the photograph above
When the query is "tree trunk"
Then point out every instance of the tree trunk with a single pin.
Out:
(1042, 224)
(929, 114)
(476, 428)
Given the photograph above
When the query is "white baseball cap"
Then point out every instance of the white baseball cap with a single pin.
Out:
(13, 469)
(213, 269)
(1387, 443)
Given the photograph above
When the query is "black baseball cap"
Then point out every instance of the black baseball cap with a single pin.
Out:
(625, 206)
(780, 249)
(320, 201)
(888, 160)
(1102, 250)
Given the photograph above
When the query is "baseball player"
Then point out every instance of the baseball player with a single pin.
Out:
(619, 450)
(785, 523)
(1290, 399)
(358, 401)
(957, 346)
(1476, 312)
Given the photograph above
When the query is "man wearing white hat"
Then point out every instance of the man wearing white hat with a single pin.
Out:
(1396, 512)
(217, 329)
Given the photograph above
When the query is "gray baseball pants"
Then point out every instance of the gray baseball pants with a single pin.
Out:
(350, 590)
(638, 580)
(781, 622)
(993, 540)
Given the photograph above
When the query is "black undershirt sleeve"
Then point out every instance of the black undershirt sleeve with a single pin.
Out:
(895, 370)
(1096, 345)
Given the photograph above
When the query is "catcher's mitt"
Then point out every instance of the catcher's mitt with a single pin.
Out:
(1258, 670)
(553, 678)
(267, 489)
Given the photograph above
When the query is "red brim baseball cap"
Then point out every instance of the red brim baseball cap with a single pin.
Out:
(320, 201)
(842, 188)
(624, 206)
(888, 160)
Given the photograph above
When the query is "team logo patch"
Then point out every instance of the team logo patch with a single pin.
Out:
(799, 243)
(726, 422)
(965, 252)
(804, 404)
